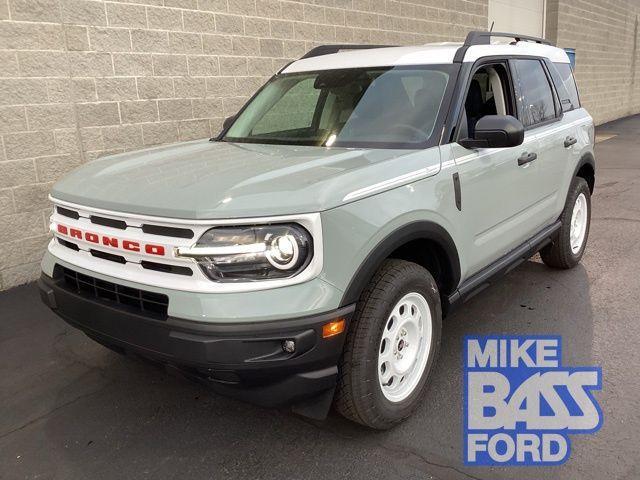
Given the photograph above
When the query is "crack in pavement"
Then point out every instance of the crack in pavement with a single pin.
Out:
(422, 458)
(393, 448)
(59, 407)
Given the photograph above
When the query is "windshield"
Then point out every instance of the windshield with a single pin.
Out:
(364, 107)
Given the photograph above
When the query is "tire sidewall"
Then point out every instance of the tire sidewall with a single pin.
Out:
(578, 186)
(426, 287)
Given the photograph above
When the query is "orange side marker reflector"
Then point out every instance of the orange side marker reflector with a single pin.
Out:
(333, 328)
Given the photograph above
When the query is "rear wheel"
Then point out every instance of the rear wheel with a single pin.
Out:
(567, 249)
(391, 347)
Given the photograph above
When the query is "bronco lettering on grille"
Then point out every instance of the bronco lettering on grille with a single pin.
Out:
(113, 242)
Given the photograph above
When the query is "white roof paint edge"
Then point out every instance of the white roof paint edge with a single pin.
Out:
(377, 57)
(429, 54)
(554, 54)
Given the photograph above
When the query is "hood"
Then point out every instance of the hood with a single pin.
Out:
(213, 180)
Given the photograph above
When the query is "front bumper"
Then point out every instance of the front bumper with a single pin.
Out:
(242, 360)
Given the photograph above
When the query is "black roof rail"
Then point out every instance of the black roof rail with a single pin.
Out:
(328, 49)
(484, 38)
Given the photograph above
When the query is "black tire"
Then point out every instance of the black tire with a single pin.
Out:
(359, 396)
(559, 253)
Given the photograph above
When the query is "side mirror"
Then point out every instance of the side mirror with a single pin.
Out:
(228, 121)
(495, 131)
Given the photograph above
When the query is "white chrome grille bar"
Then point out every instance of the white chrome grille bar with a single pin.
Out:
(197, 252)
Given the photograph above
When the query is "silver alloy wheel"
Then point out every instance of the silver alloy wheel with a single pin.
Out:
(579, 219)
(405, 347)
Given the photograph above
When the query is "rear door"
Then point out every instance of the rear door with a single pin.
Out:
(540, 111)
(575, 124)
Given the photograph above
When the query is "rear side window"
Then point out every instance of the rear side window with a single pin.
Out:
(535, 97)
(565, 85)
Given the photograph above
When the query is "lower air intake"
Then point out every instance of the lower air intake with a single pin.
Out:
(148, 304)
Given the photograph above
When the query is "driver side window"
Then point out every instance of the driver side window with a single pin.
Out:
(488, 94)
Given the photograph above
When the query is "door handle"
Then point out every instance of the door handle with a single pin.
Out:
(570, 141)
(526, 158)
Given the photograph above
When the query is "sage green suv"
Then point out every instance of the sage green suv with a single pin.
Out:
(307, 255)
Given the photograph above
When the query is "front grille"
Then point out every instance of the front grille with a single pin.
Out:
(108, 222)
(150, 229)
(163, 267)
(167, 231)
(67, 244)
(142, 302)
(68, 213)
(158, 267)
(108, 256)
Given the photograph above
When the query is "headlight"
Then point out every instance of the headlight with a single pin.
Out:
(251, 253)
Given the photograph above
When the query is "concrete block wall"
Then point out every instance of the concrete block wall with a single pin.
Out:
(605, 34)
(80, 79)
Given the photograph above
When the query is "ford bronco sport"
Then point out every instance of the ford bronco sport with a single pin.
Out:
(307, 255)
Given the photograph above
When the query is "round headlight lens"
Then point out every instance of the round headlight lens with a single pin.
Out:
(283, 252)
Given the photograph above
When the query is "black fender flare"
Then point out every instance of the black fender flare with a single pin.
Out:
(419, 230)
(586, 159)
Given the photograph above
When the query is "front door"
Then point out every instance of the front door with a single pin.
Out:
(499, 188)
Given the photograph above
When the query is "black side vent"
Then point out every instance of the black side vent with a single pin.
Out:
(67, 213)
(108, 222)
(167, 231)
(163, 267)
(142, 302)
(108, 256)
(70, 245)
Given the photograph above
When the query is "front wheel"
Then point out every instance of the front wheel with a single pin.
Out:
(567, 249)
(391, 347)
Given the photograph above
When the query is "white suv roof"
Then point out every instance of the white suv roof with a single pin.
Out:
(428, 54)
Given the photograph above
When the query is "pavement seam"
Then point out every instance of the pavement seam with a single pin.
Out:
(391, 447)
(59, 407)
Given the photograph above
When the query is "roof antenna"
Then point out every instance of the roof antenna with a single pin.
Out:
(492, 24)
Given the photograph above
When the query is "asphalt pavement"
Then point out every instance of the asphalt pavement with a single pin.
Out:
(70, 409)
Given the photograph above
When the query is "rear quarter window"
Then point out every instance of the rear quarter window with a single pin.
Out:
(565, 83)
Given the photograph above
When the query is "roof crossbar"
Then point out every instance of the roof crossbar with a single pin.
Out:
(328, 49)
